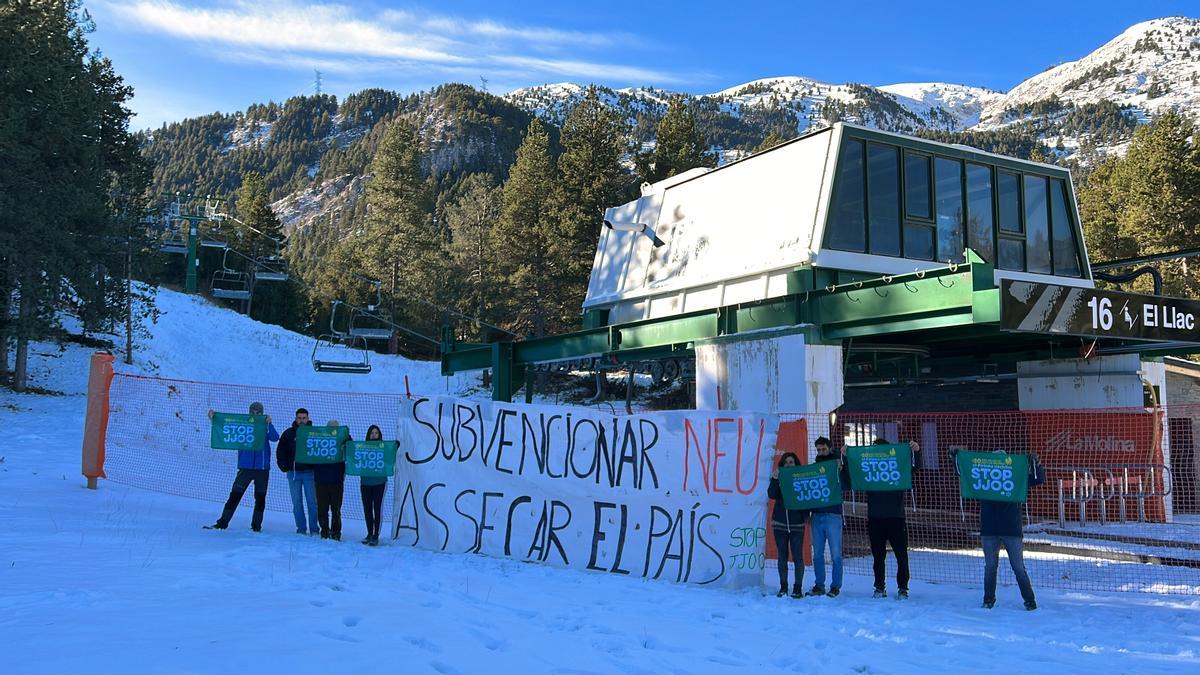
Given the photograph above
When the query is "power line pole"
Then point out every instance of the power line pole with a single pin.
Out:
(318, 82)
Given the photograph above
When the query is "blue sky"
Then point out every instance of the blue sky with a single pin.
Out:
(191, 57)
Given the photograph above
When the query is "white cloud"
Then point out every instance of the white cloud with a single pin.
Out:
(303, 34)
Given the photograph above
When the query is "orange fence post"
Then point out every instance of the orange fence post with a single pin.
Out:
(95, 425)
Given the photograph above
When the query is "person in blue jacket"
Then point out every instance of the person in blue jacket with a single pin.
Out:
(254, 466)
(1000, 524)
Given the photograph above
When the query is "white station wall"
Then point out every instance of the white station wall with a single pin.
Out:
(731, 235)
(769, 374)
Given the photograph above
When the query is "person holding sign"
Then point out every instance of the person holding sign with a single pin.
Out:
(788, 526)
(999, 475)
(254, 466)
(300, 475)
(884, 471)
(826, 524)
(331, 487)
(372, 488)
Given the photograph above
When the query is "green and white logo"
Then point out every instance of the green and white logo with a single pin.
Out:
(231, 431)
(376, 459)
(880, 468)
(320, 445)
(994, 476)
(811, 487)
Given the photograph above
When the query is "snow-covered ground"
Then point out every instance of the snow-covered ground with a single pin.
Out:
(124, 580)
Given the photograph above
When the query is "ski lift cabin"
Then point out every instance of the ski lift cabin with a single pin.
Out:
(840, 204)
(852, 257)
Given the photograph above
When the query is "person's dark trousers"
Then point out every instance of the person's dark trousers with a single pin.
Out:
(884, 531)
(372, 500)
(790, 542)
(329, 509)
(240, 483)
(1016, 559)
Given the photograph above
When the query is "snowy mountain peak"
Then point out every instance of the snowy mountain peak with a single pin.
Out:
(1151, 66)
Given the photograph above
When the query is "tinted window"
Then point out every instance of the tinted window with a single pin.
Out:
(1010, 205)
(918, 241)
(847, 223)
(979, 211)
(1037, 226)
(916, 186)
(883, 207)
(1012, 255)
(1066, 250)
(949, 209)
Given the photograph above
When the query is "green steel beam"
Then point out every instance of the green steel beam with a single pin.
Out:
(955, 296)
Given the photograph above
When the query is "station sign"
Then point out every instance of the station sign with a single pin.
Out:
(1090, 312)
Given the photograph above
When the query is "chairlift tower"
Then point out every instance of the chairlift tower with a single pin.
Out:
(194, 210)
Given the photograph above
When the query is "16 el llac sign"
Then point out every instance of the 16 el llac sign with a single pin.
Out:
(1068, 310)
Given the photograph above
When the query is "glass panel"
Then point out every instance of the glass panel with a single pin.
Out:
(949, 209)
(847, 223)
(979, 211)
(1037, 226)
(1012, 255)
(883, 191)
(1010, 205)
(916, 186)
(1066, 251)
(918, 241)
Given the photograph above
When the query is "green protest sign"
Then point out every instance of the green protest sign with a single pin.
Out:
(880, 468)
(231, 431)
(812, 486)
(376, 459)
(320, 445)
(995, 476)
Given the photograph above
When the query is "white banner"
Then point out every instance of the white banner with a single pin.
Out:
(678, 495)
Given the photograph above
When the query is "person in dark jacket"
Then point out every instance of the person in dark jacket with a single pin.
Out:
(826, 525)
(886, 525)
(788, 526)
(254, 466)
(1000, 525)
(372, 489)
(331, 486)
(300, 476)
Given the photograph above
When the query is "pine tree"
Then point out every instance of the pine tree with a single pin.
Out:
(595, 142)
(71, 180)
(259, 231)
(401, 246)
(773, 139)
(528, 272)
(471, 219)
(680, 145)
(1148, 201)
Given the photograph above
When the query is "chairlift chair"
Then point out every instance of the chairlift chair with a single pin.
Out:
(173, 242)
(372, 322)
(228, 283)
(270, 268)
(338, 351)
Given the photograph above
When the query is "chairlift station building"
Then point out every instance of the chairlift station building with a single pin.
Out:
(852, 257)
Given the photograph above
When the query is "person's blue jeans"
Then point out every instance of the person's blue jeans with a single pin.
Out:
(827, 530)
(1016, 559)
(304, 489)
